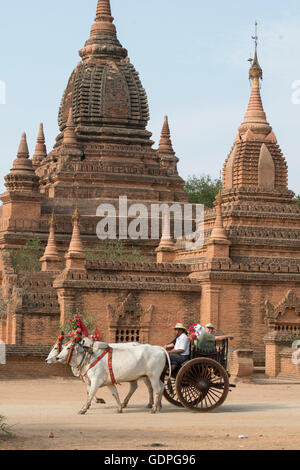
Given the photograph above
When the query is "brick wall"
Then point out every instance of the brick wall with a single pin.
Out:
(29, 361)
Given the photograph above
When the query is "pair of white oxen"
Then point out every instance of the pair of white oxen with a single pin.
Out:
(130, 362)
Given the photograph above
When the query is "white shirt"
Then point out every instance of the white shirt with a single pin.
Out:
(182, 342)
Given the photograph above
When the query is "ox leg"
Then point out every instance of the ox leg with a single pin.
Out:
(150, 390)
(94, 385)
(115, 394)
(88, 386)
(158, 388)
(133, 387)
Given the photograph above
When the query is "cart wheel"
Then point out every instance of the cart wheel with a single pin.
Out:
(202, 385)
(170, 389)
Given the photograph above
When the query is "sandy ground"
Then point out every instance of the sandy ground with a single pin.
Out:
(268, 415)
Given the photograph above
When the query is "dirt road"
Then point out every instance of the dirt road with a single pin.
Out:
(268, 415)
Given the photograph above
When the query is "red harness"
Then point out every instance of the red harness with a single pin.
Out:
(109, 352)
(70, 354)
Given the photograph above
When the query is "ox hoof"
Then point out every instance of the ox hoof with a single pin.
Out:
(82, 412)
(100, 400)
(120, 410)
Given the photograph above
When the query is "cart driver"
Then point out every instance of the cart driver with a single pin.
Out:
(206, 342)
(179, 348)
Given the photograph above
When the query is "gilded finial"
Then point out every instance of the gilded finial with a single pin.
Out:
(52, 219)
(76, 215)
(219, 197)
(255, 72)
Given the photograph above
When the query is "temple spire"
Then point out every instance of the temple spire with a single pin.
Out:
(255, 118)
(165, 252)
(76, 244)
(23, 151)
(165, 149)
(51, 261)
(69, 132)
(103, 9)
(40, 148)
(165, 144)
(104, 20)
(218, 245)
(75, 257)
(218, 232)
(166, 239)
(23, 164)
(255, 73)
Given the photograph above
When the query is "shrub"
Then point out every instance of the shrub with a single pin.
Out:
(27, 258)
(115, 250)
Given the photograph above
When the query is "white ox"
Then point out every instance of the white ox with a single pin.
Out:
(52, 358)
(129, 364)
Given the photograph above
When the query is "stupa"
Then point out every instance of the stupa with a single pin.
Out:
(103, 150)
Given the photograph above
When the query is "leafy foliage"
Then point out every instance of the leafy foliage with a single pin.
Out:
(202, 189)
(298, 199)
(27, 258)
(114, 250)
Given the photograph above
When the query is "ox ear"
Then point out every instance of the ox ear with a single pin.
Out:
(100, 345)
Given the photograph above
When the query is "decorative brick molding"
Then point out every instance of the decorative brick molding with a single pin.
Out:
(283, 322)
(27, 350)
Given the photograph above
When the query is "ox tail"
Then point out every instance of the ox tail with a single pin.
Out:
(168, 358)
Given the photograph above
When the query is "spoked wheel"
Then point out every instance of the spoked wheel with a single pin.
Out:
(202, 385)
(170, 393)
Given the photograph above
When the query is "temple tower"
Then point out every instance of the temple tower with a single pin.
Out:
(251, 255)
(105, 107)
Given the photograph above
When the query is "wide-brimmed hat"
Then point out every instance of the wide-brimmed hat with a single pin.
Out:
(210, 325)
(179, 326)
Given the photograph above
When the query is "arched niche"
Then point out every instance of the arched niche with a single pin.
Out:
(228, 175)
(266, 169)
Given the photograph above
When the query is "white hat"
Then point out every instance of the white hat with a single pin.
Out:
(179, 326)
(210, 325)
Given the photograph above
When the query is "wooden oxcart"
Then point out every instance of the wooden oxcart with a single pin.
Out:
(202, 383)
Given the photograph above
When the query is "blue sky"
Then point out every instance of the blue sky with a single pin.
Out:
(192, 59)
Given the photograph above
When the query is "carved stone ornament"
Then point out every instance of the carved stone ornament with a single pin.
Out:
(130, 312)
(290, 301)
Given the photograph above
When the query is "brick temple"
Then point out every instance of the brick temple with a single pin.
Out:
(246, 277)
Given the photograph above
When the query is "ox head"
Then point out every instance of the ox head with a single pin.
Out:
(57, 348)
(72, 351)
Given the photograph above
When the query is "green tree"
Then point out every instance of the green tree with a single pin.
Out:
(298, 199)
(202, 189)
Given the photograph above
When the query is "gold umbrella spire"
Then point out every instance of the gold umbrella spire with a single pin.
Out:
(255, 73)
